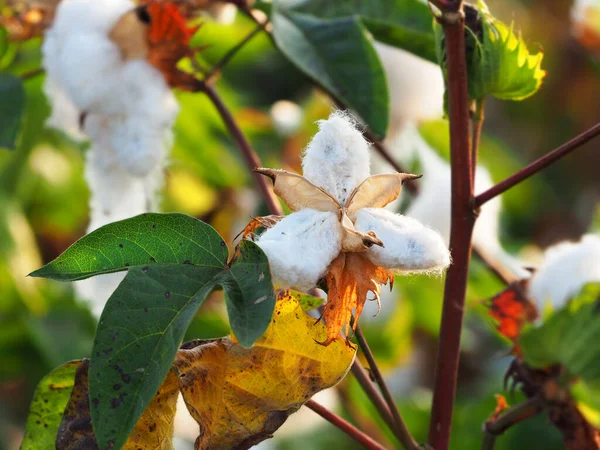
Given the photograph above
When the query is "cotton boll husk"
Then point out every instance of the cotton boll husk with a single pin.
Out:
(416, 87)
(567, 267)
(301, 246)
(337, 158)
(409, 246)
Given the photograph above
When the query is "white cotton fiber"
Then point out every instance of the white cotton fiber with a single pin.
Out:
(409, 246)
(301, 247)
(337, 158)
(567, 267)
(416, 87)
(65, 116)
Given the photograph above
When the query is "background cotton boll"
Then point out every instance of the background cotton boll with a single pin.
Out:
(301, 246)
(337, 158)
(416, 87)
(567, 267)
(97, 290)
(65, 115)
(408, 245)
(286, 116)
(89, 15)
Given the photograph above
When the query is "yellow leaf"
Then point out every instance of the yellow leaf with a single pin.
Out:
(240, 396)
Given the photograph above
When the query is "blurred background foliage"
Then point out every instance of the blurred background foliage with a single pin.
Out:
(44, 208)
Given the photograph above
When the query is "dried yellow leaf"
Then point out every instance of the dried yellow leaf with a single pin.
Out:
(239, 396)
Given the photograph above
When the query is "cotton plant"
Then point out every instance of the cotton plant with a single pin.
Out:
(110, 66)
(567, 267)
(339, 232)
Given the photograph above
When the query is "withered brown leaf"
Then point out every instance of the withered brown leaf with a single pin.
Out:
(350, 277)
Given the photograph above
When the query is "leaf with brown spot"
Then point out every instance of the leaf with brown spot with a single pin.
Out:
(512, 310)
(299, 193)
(258, 222)
(239, 396)
(377, 191)
(153, 431)
(350, 277)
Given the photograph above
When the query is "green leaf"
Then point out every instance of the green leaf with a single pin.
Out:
(569, 337)
(339, 55)
(498, 61)
(174, 261)
(46, 410)
(12, 106)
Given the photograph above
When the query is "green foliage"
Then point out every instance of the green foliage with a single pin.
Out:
(46, 411)
(569, 337)
(336, 53)
(174, 261)
(12, 107)
(498, 61)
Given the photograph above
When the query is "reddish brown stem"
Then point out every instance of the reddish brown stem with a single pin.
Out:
(345, 426)
(462, 222)
(537, 165)
(367, 385)
(251, 158)
(400, 428)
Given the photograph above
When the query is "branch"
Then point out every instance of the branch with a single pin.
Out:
(345, 426)
(508, 418)
(251, 158)
(400, 428)
(538, 165)
(216, 69)
(461, 230)
(32, 74)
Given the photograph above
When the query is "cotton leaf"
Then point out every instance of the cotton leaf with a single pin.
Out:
(377, 191)
(154, 429)
(299, 193)
(350, 277)
(241, 396)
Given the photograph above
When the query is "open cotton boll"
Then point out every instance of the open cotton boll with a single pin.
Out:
(65, 116)
(408, 246)
(416, 87)
(567, 267)
(301, 247)
(337, 158)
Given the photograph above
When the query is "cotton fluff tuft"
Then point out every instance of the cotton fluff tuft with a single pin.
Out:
(409, 246)
(567, 267)
(338, 148)
(301, 246)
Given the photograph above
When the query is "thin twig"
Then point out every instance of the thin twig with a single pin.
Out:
(538, 165)
(251, 158)
(461, 230)
(32, 74)
(218, 67)
(375, 397)
(477, 118)
(510, 417)
(401, 430)
(345, 426)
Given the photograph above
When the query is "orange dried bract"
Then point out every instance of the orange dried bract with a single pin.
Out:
(501, 406)
(350, 277)
(258, 222)
(512, 310)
